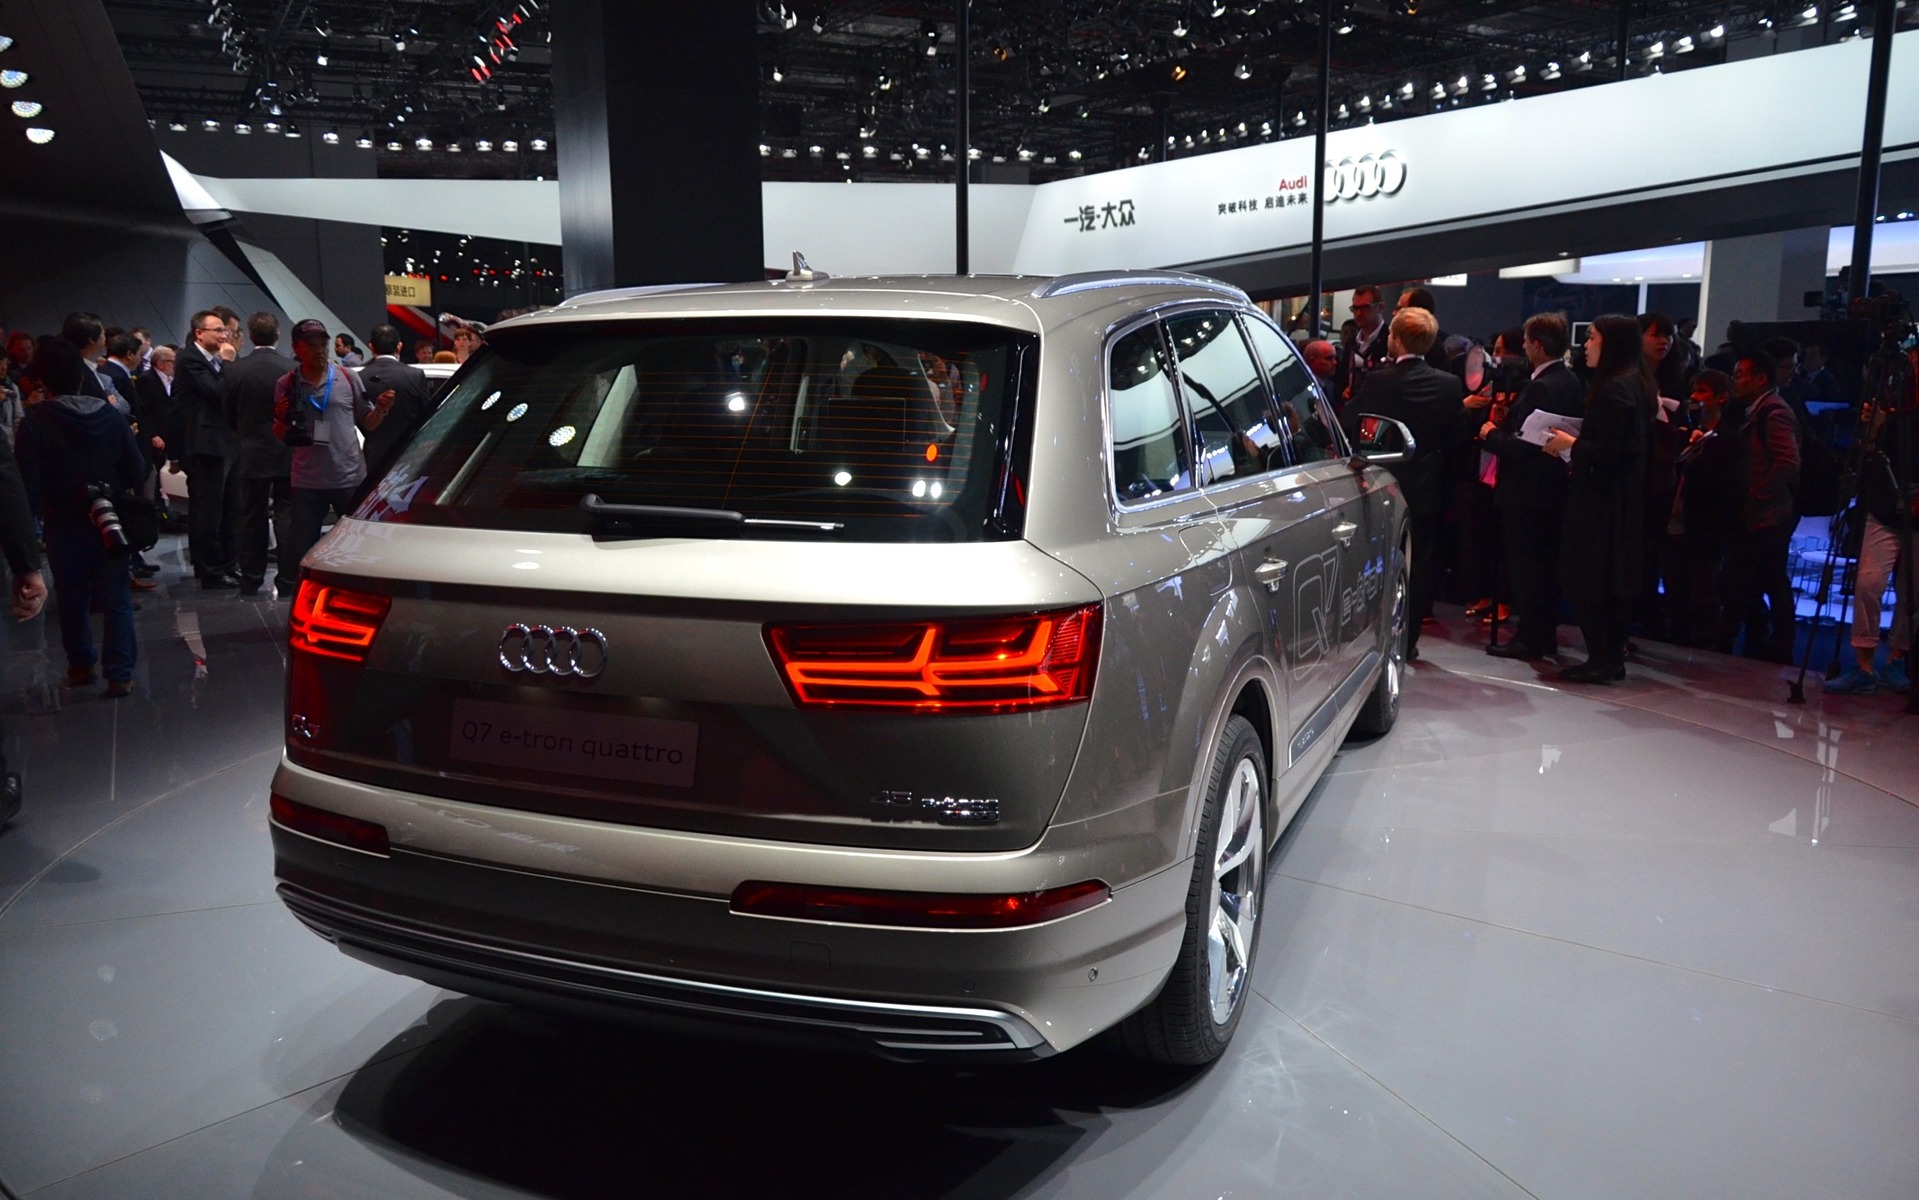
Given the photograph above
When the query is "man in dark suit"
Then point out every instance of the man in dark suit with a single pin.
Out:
(1427, 401)
(246, 391)
(1369, 342)
(412, 401)
(212, 454)
(1422, 297)
(154, 409)
(117, 365)
(1530, 491)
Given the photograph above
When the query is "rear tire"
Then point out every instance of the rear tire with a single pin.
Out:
(1382, 707)
(1198, 1008)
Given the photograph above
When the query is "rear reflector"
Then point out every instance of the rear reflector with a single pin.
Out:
(350, 832)
(926, 910)
(975, 664)
(335, 622)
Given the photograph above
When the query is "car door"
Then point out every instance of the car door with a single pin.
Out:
(1338, 601)
(1268, 510)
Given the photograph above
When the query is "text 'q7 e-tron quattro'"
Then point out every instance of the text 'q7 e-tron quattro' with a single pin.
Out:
(925, 662)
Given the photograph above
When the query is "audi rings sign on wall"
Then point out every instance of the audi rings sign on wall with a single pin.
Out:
(1379, 174)
(553, 650)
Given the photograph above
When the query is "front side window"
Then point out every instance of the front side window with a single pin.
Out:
(1311, 434)
(863, 430)
(1152, 453)
(1225, 394)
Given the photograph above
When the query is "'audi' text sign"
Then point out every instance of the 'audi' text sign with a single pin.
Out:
(601, 745)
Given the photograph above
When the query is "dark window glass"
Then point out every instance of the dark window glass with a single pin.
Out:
(1225, 393)
(1311, 433)
(1151, 455)
(868, 430)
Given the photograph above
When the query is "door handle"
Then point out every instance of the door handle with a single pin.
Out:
(1271, 572)
(1343, 534)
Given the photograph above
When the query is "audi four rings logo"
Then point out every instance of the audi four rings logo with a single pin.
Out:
(551, 650)
(1368, 175)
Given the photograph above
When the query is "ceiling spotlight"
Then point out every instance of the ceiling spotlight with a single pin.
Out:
(537, 144)
(1439, 91)
(1074, 155)
(1045, 105)
(1518, 73)
(1179, 72)
(210, 125)
(483, 145)
(269, 126)
(423, 143)
(1811, 14)
(319, 60)
(243, 129)
(6, 43)
(1344, 27)
(1682, 46)
(1655, 50)
(510, 146)
(1025, 155)
(885, 82)
(1364, 104)
(1406, 89)
(13, 79)
(1342, 112)
(26, 110)
(1846, 13)
(870, 150)
(1717, 31)
(177, 126)
(39, 136)
(765, 150)
(1487, 83)
(363, 142)
(1299, 119)
(1242, 71)
(293, 131)
(331, 137)
(930, 37)
(453, 147)
(1551, 71)
(1219, 8)
(1179, 28)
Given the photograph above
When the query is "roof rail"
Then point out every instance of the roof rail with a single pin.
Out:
(1065, 285)
(629, 293)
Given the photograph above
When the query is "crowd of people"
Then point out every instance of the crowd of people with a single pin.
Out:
(1651, 489)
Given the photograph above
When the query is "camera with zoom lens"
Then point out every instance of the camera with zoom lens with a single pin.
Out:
(106, 518)
(299, 425)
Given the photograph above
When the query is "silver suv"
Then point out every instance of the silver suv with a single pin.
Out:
(925, 661)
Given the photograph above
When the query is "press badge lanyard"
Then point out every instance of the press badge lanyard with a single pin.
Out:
(321, 400)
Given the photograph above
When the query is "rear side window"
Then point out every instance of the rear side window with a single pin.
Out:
(1225, 393)
(867, 430)
(1310, 433)
(1152, 454)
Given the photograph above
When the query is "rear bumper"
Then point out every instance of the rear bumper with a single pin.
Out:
(615, 930)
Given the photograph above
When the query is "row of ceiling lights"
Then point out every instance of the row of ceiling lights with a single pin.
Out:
(23, 108)
(333, 137)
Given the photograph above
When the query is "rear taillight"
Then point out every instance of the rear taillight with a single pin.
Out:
(337, 828)
(335, 622)
(969, 665)
(925, 910)
(329, 634)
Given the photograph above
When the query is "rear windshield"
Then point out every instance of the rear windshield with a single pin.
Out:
(863, 430)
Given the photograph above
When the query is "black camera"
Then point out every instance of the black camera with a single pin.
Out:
(106, 518)
(299, 426)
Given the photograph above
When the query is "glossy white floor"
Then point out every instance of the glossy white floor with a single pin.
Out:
(1653, 940)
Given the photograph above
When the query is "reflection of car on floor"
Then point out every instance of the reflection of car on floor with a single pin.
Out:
(927, 662)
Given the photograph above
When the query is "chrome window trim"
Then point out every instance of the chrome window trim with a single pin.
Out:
(1272, 393)
(1114, 334)
(1259, 370)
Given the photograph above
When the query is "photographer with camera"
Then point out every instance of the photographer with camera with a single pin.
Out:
(315, 411)
(78, 457)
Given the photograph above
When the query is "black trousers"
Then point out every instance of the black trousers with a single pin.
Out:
(1426, 521)
(263, 502)
(213, 513)
(1758, 593)
(1532, 538)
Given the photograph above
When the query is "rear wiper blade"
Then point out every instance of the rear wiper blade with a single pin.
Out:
(592, 505)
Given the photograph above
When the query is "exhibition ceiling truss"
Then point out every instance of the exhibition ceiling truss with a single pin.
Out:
(866, 90)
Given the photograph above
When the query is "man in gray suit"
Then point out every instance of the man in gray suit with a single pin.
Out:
(246, 392)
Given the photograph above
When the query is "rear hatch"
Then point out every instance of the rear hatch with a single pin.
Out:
(745, 579)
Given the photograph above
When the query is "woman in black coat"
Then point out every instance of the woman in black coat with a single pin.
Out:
(1605, 512)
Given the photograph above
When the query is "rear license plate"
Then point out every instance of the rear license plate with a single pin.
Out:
(635, 749)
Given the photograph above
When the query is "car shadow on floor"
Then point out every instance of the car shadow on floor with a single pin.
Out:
(574, 1109)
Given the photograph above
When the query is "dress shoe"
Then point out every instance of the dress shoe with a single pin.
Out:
(142, 584)
(251, 587)
(1514, 650)
(1593, 672)
(81, 676)
(1480, 608)
(1505, 616)
(214, 583)
(145, 570)
(1412, 654)
(9, 797)
(119, 688)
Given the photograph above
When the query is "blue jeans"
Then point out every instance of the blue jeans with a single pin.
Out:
(303, 527)
(85, 574)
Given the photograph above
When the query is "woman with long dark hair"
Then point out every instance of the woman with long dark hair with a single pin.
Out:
(1605, 512)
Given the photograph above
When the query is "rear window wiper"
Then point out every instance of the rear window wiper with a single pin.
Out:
(726, 520)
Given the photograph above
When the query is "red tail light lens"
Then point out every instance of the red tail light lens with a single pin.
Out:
(971, 665)
(926, 910)
(337, 828)
(335, 622)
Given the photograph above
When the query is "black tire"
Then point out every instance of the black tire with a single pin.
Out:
(1382, 706)
(1184, 1025)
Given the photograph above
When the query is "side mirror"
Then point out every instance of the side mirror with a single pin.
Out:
(1383, 441)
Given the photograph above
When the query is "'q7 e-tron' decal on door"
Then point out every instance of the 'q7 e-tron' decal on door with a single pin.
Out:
(1315, 610)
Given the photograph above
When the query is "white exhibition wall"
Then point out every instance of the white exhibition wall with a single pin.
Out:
(1775, 117)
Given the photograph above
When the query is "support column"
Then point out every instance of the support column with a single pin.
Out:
(1764, 277)
(657, 113)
